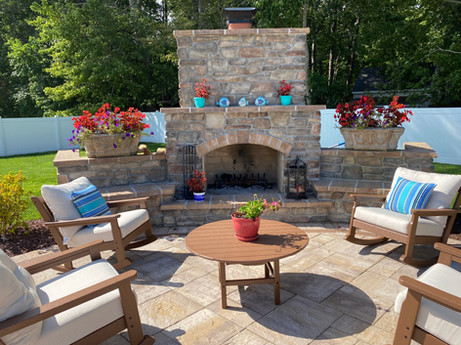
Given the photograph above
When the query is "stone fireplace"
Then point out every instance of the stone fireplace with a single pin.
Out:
(245, 144)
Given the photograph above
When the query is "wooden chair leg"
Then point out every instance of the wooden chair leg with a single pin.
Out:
(407, 319)
(132, 319)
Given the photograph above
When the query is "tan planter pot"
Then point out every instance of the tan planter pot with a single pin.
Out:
(102, 145)
(372, 139)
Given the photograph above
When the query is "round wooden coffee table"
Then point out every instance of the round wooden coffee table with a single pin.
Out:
(217, 241)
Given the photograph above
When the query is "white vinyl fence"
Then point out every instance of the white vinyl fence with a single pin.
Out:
(42, 134)
(439, 127)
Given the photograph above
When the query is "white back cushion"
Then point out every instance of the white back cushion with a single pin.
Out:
(444, 192)
(58, 198)
(18, 294)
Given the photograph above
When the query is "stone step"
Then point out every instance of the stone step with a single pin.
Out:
(220, 206)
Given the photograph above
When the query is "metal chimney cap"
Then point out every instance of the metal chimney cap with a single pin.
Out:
(239, 13)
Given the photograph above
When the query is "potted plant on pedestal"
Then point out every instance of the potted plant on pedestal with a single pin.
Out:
(202, 91)
(284, 92)
(246, 220)
(109, 133)
(197, 184)
(365, 127)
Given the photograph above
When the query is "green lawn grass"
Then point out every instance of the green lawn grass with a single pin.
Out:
(443, 168)
(39, 170)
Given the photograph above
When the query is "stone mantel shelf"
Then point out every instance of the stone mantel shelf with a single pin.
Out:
(236, 109)
(255, 31)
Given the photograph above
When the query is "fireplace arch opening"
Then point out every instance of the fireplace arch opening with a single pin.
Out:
(245, 166)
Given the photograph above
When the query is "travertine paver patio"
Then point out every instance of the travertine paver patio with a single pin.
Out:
(332, 292)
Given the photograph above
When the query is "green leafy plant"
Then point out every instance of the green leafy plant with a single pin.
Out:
(256, 207)
(12, 202)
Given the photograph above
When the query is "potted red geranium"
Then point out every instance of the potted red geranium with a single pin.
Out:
(367, 127)
(284, 92)
(197, 184)
(202, 91)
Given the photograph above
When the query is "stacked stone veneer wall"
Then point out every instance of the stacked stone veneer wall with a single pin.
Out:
(242, 63)
(344, 172)
(291, 130)
(372, 165)
(121, 177)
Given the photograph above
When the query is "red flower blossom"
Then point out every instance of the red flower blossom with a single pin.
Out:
(104, 121)
(284, 89)
(202, 90)
(363, 114)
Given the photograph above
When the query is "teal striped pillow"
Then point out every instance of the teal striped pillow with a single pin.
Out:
(407, 195)
(90, 202)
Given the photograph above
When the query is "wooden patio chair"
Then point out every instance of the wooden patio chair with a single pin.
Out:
(86, 305)
(427, 225)
(430, 306)
(69, 229)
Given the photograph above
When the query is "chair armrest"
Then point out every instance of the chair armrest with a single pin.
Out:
(427, 212)
(376, 197)
(47, 310)
(448, 253)
(83, 221)
(141, 201)
(431, 293)
(45, 262)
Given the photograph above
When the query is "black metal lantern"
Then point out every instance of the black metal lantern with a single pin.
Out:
(296, 179)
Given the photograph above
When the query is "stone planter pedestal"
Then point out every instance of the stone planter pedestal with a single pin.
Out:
(111, 145)
(372, 139)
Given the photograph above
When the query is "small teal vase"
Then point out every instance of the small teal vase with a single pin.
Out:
(285, 99)
(199, 102)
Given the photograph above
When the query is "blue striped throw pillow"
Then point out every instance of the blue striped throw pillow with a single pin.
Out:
(407, 195)
(90, 202)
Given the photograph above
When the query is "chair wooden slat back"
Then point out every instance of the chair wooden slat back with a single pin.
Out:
(43, 208)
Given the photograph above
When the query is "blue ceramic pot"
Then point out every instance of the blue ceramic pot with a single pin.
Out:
(199, 102)
(285, 99)
(199, 197)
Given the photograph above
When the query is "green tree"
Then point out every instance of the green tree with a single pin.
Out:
(16, 91)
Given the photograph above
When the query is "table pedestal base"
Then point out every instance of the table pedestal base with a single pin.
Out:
(271, 276)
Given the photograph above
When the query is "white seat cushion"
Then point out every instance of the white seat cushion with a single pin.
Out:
(128, 222)
(440, 321)
(75, 323)
(58, 198)
(397, 221)
(444, 193)
(17, 295)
